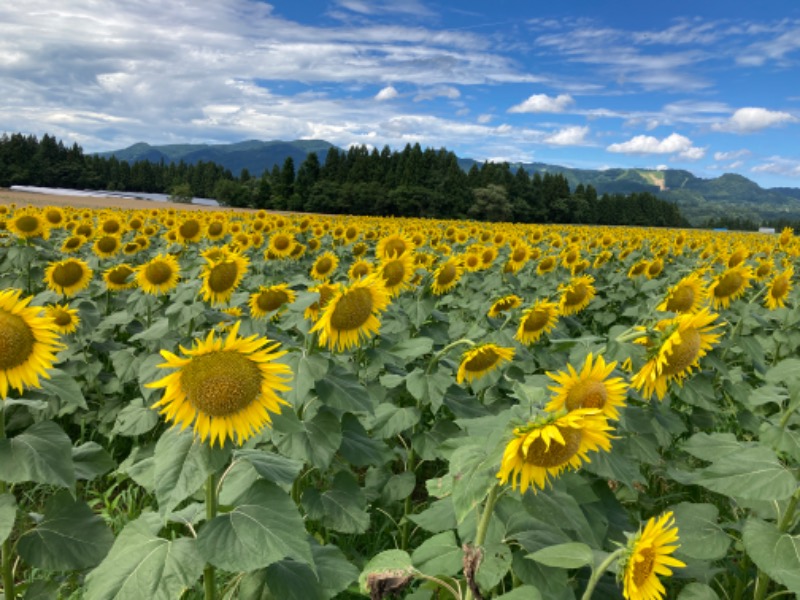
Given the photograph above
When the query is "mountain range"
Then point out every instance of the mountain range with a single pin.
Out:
(729, 195)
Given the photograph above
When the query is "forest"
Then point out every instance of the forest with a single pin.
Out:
(413, 182)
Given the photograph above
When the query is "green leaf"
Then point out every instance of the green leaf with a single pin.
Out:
(126, 364)
(701, 537)
(439, 516)
(697, 591)
(391, 420)
(334, 571)
(712, 446)
(495, 564)
(524, 592)
(135, 419)
(399, 487)
(342, 507)
(389, 563)
(342, 390)
(473, 473)
(156, 331)
(411, 348)
(566, 556)
(91, 460)
(41, 454)
(66, 389)
(262, 529)
(308, 369)
(315, 441)
(182, 465)
(272, 467)
(358, 448)
(775, 553)
(142, 565)
(785, 372)
(8, 514)
(69, 536)
(429, 388)
(439, 555)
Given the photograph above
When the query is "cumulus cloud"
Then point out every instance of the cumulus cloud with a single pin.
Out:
(542, 103)
(485, 118)
(733, 155)
(568, 136)
(387, 93)
(439, 91)
(750, 119)
(676, 144)
(777, 165)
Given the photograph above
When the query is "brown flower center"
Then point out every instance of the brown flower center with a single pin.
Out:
(729, 285)
(189, 229)
(681, 300)
(281, 242)
(215, 229)
(536, 321)
(223, 277)
(446, 274)
(576, 294)
(324, 265)
(16, 340)
(643, 568)
(554, 455)
(780, 287)
(352, 310)
(107, 244)
(587, 394)
(483, 359)
(684, 353)
(221, 383)
(67, 274)
(158, 273)
(272, 300)
(28, 224)
(393, 273)
(119, 275)
(395, 246)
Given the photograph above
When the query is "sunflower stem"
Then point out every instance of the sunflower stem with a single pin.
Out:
(7, 555)
(209, 584)
(438, 356)
(599, 571)
(405, 528)
(483, 524)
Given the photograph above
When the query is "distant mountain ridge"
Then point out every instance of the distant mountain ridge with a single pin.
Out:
(727, 195)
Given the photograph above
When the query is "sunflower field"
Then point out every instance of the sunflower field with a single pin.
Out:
(219, 404)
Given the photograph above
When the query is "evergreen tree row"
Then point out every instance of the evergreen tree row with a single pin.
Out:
(359, 181)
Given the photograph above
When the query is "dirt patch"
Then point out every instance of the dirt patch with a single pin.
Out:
(36, 199)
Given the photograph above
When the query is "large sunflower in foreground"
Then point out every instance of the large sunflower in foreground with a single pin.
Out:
(779, 289)
(686, 296)
(480, 360)
(593, 387)
(352, 313)
(326, 291)
(545, 448)
(729, 285)
(536, 321)
(674, 348)
(647, 556)
(28, 343)
(221, 278)
(28, 224)
(224, 389)
(68, 276)
(159, 275)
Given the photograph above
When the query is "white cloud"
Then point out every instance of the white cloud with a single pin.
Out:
(568, 136)
(387, 93)
(778, 165)
(733, 155)
(440, 91)
(485, 118)
(675, 143)
(542, 103)
(750, 119)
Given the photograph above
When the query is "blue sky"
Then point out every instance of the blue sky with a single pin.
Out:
(707, 86)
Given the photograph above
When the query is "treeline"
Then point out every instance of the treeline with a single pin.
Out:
(412, 183)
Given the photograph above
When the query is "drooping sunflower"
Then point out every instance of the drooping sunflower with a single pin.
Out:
(779, 289)
(159, 275)
(638, 268)
(547, 264)
(686, 296)
(547, 447)
(269, 299)
(397, 272)
(648, 555)
(28, 224)
(65, 319)
(324, 266)
(224, 389)
(504, 304)
(120, 277)
(654, 268)
(326, 291)
(68, 276)
(536, 321)
(221, 278)
(674, 348)
(480, 360)
(593, 387)
(28, 343)
(576, 295)
(447, 275)
(352, 313)
(729, 285)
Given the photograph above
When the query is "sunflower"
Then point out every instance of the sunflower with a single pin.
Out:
(397, 272)
(224, 389)
(326, 291)
(120, 277)
(504, 304)
(764, 269)
(65, 319)
(779, 289)
(111, 226)
(654, 268)
(281, 244)
(360, 268)
(447, 275)
(222, 277)
(547, 264)
(72, 244)
(352, 313)
(648, 555)
(216, 230)
(638, 268)
(518, 258)
(536, 321)
(686, 296)
(480, 360)
(394, 245)
(189, 231)
(674, 348)
(576, 295)
(549, 446)
(471, 261)
(591, 388)
(488, 256)
(54, 216)
(107, 246)
(68, 276)
(28, 343)
(269, 299)
(729, 285)
(159, 275)
(28, 224)
(325, 264)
